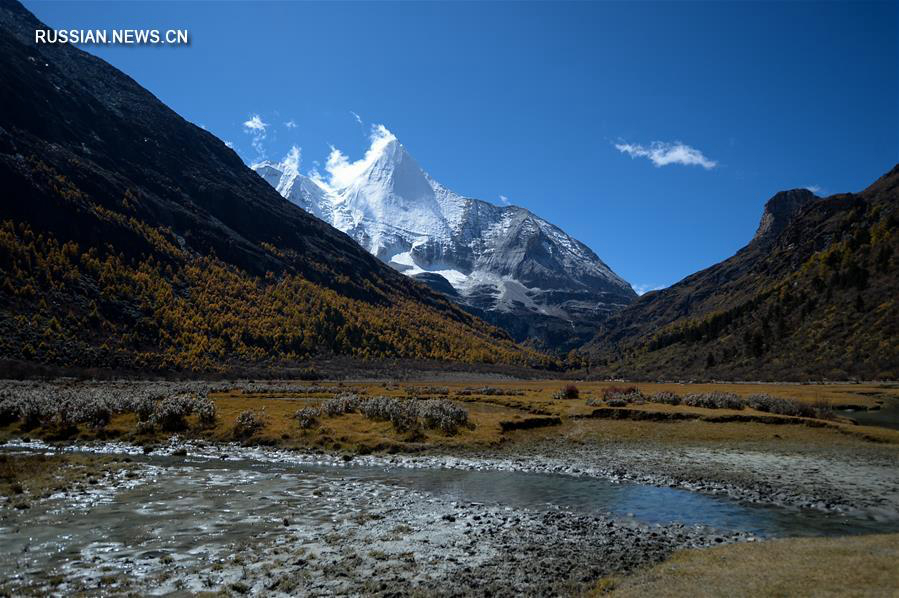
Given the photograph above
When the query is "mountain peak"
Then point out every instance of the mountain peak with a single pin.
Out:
(394, 149)
(779, 210)
(503, 262)
(391, 157)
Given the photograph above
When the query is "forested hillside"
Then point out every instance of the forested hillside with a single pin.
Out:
(813, 296)
(130, 238)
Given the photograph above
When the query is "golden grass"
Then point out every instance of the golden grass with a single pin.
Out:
(850, 566)
(834, 394)
(695, 433)
(353, 431)
(32, 476)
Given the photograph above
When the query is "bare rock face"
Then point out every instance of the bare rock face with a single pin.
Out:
(779, 210)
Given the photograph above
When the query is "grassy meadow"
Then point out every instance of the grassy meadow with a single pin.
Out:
(501, 412)
(850, 566)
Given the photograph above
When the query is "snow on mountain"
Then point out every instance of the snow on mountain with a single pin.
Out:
(503, 262)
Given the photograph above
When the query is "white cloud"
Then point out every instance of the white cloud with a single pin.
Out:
(341, 172)
(255, 124)
(504, 200)
(291, 162)
(291, 124)
(229, 144)
(256, 128)
(662, 153)
(816, 189)
(357, 117)
(642, 289)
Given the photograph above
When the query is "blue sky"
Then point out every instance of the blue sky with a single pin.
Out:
(529, 100)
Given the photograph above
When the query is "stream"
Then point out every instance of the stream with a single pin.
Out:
(193, 512)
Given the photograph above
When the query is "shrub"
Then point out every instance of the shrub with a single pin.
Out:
(378, 408)
(615, 391)
(247, 424)
(9, 411)
(169, 414)
(778, 406)
(341, 404)
(490, 391)
(206, 411)
(144, 407)
(308, 417)
(145, 427)
(714, 400)
(403, 420)
(31, 411)
(666, 398)
(618, 396)
(570, 391)
(762, 402)
(443, 415)
(403, 414)
(59, 416)
(97, 414)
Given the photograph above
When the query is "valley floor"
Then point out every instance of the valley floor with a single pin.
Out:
(351, 505)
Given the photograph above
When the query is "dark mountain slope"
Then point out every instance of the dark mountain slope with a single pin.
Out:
(813, 295)
(132, 238)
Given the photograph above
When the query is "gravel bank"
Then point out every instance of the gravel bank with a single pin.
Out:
(863, 483)
(185, 527)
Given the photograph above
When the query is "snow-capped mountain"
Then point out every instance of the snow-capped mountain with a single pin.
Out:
(502, 262)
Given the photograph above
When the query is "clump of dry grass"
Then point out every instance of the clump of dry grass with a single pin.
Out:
(403, 414)
(714, 400)
(569, 391)
(665, 398)
(613, 392)
(340, 405)
(248, 423)
(489, 391)
(443, 415)
(308, 417)
(170, 414)
(620, 396)
(206, 411)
